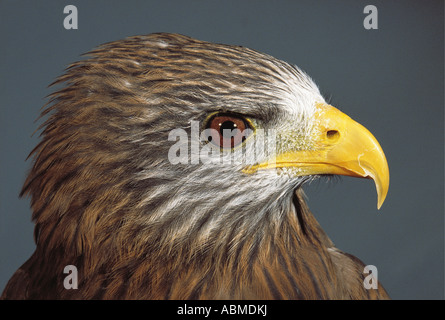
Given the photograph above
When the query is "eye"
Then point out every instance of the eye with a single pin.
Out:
(228, 130)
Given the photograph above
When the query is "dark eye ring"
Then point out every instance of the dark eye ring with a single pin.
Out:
(228, 130)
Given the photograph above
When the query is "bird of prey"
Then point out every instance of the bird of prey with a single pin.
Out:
(145, 212)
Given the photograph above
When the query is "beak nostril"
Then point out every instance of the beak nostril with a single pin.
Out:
(332, 134)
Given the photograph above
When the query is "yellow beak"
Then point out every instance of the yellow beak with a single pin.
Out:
(339, 145)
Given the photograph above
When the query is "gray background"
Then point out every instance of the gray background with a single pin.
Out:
(390, 80)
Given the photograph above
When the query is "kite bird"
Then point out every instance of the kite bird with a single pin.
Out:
(143, 212)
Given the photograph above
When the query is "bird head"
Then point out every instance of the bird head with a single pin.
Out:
(134, 157)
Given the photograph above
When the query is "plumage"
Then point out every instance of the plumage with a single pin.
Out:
(106, 199)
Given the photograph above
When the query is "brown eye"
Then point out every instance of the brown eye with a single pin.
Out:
(228, 131)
